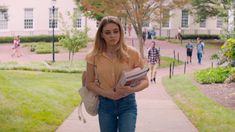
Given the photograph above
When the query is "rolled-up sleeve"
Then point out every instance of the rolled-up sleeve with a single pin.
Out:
(89, 59)
(137, 59)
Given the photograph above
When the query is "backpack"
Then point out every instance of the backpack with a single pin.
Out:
(89, 99)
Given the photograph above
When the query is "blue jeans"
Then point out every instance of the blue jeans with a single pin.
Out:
(199, 57)
(117, 115)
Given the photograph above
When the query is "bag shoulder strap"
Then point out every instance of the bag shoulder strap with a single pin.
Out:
(95, 71)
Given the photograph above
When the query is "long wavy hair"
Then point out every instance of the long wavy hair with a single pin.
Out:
(100, 44)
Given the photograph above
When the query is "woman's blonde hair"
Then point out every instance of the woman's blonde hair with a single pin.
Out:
(100, 45)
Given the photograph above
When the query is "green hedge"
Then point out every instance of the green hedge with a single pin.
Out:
(44, 48)
(201, 36)
(214, 75)
(40, 38)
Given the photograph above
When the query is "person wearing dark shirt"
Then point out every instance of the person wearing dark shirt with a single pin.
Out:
(189, 51)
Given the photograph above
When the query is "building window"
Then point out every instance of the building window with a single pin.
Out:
(28, 18)
(166, 18)
(203, 23)
(185, 17)
(55, 18)
(79, 23)
(219, 22)
(78, 15)
(3, 19)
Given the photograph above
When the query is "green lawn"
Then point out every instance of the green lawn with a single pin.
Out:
(209, 44)
(58, 66)
(165, 62)
(34, 101)
(205, 114)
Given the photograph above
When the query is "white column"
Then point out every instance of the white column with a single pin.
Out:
(231, 19)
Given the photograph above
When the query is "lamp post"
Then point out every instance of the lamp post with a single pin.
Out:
(53, 30)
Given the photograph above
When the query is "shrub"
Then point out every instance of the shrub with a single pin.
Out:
(201, 36)
(44, 48)
(39, 38)
(160, 38)
(229, 49)
(214, 75)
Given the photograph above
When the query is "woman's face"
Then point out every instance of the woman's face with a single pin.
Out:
(111, 34)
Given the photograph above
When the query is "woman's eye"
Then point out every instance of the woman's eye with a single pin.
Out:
(107, 33)
(116, 32)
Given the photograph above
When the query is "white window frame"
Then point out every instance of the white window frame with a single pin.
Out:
(28, 18)
(202, 23)
(166, 23)
(51, 18)
(185, 19)
(3, 20)
(78, 22)
(219, 22)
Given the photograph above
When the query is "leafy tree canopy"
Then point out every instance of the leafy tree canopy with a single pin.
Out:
(210, 8)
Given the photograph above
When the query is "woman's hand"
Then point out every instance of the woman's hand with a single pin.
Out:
(124, 91)
(113, 95)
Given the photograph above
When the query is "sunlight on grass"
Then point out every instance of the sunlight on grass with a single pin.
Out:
(36, 101)
(204, 113)
(165, 62)
(58, 66)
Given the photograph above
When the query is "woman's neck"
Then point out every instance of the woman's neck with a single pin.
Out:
(110, 49)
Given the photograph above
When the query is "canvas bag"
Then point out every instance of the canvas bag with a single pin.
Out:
(89, 99)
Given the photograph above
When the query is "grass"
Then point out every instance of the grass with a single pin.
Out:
(65, 66)
(58, 66)
(165, 62)
(36, 101)
(205, 114)
(209, 44)
(43, 47)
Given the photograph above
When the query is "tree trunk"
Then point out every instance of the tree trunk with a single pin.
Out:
(86, 28)
(71, 60)
(160, 29)
(141, 45)
(69, 55)
(138, 30)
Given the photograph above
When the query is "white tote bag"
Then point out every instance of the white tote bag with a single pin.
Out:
(89, 99)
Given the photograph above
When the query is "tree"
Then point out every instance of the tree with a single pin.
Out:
(137, 12)
(74, 39)
(209, 8)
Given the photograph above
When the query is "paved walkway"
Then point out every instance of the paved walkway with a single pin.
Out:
(156, 110)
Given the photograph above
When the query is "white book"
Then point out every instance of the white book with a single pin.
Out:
(132, 77)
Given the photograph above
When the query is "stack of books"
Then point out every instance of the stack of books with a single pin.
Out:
(133, 77)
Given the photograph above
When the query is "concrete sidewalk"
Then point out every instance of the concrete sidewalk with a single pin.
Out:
(156, 113)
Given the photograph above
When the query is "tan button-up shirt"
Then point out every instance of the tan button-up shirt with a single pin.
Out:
(109, 70)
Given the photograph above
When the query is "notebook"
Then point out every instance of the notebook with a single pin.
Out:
(132, 77)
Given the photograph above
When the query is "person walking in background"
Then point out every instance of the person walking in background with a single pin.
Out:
(200, 51)
(189, 51)
(179, 35)
(149, 35)
(153, 58)
(153, 34)
(144, 35)
(16, 47)
(117, 110)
